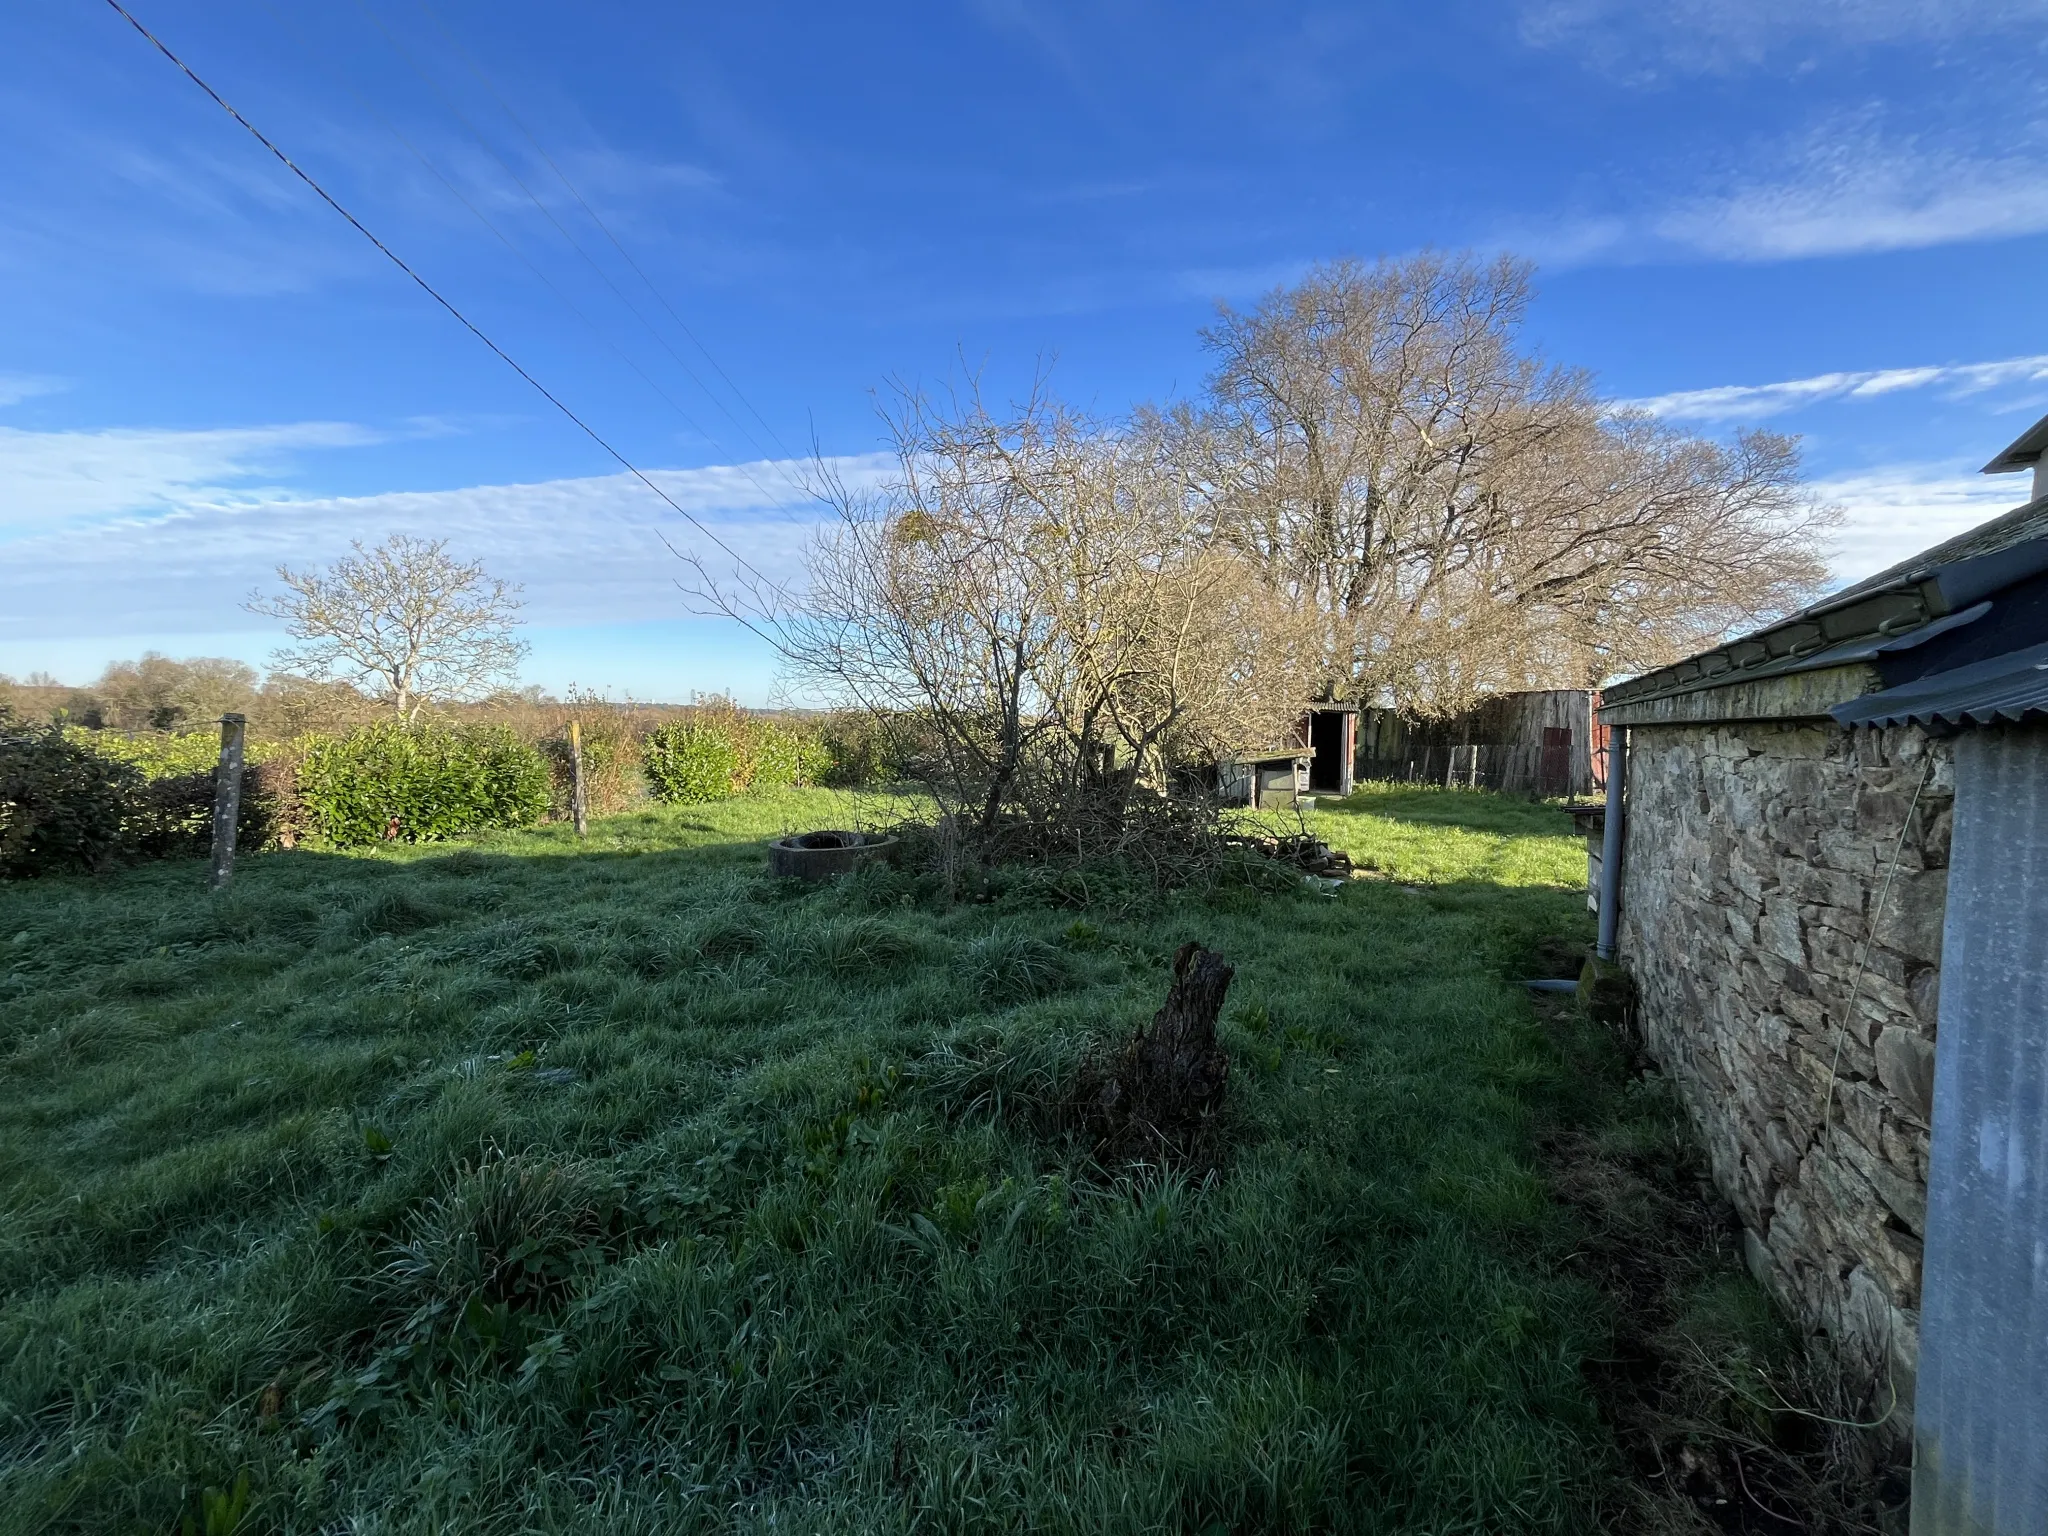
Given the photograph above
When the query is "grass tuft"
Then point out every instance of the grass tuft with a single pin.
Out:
(511, 1230)
(1013, 967)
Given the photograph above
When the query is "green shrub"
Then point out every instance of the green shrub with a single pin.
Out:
(783, 755)
(691, 762)
(169, 813)
(171, 816)
(419, 783)
(721, 750)
(859, 750)
(63, 807)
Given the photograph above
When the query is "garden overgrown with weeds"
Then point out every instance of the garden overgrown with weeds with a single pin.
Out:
(534, 1185)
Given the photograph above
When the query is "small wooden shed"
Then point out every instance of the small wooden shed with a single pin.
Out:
(1316, 758)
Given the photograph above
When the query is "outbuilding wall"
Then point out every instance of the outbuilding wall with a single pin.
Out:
(1754, 858)
(1508, 730)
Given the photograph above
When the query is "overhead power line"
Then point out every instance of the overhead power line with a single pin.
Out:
(477, 69)
(434, 293)
(517, 251)
(484, 143)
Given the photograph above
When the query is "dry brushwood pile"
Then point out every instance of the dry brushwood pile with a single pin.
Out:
(1162, 1097)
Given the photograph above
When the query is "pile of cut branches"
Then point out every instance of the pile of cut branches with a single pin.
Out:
(1302, 850)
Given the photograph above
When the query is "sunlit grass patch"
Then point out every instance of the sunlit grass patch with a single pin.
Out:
(1438, 836)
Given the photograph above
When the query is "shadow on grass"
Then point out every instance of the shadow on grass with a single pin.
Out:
(1516, 930)
(651, 851)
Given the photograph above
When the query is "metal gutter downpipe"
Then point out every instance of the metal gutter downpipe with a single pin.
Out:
(1610, 842)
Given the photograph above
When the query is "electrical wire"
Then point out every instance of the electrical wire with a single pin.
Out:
(413, 63)
(513, 246)
(435, 294)
(476, 68)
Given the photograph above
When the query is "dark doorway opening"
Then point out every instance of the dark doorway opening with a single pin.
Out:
(1329, 743)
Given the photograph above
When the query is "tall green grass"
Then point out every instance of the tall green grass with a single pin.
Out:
(539, 1185)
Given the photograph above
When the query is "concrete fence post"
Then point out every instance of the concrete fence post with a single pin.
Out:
(227, 796)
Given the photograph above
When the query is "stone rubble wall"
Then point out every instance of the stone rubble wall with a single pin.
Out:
(1755, 854)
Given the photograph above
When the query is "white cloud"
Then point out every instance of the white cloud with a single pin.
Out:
(1648, 38)
(1849, 183)
(53, 477)
(1895, 511)
(17, 387)
(588, 551)
(1855, 192)
(171, 530)
(1750, 402)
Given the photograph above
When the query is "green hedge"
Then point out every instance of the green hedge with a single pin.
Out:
(419, 783)
(785, 755)
(168, 754)
(69, 805)
(171, 816)
(689, 763)
(611, 768)
(863, 750)
(723, 752)
(63, 807)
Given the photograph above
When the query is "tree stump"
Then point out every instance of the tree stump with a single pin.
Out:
(1167, 1086)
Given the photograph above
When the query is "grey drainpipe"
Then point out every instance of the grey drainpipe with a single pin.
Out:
(1610, 842)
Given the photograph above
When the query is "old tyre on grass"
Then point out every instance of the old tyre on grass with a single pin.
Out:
(820, 855)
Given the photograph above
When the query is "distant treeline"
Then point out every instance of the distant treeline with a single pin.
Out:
(159, 693)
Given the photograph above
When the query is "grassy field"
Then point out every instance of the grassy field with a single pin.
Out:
(615, 1187)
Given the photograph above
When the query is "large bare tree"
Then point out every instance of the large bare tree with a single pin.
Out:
(1038, 591)
(407, 622)
(1463, 518)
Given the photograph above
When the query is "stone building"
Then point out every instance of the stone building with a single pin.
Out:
(1792, 800)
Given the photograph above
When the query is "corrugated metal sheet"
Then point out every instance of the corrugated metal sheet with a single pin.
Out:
(1981, 1414)
(1936, 591)
(2013, 687)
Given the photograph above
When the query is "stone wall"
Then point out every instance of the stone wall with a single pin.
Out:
(1755, 855)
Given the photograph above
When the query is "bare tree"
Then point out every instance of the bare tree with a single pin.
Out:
(1038, 593)
(407, 622)
(1461, 517)
(290, 706)
(156, 693)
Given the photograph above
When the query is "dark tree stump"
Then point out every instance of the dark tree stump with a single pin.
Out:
(1167, 1086)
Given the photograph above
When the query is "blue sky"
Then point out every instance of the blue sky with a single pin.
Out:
(1825, 216)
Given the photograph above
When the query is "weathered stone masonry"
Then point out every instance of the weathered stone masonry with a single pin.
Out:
(1755, 855)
